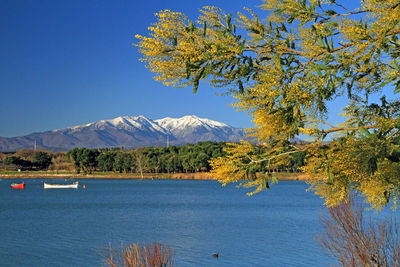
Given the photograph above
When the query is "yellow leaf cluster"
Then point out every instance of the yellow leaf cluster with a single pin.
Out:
(358, 164)
(230, 169)
(286, 70)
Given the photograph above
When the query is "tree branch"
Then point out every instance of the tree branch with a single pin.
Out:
(337, 129)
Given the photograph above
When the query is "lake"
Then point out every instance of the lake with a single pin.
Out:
(71, 227)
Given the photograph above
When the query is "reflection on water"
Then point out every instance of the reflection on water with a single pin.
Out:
(69, 227)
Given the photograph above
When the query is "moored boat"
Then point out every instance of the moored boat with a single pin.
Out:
(18, 186)
(49, 186)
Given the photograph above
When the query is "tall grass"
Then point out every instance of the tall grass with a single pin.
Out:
(354, 240)
(149, 255)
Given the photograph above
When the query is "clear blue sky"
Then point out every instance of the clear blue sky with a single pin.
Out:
(66, 63)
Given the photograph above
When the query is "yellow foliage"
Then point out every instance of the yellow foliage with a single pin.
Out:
(303, 55)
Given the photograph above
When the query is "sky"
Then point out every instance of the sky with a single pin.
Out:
(66, 63)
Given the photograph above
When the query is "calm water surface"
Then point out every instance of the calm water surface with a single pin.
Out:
(69, 227)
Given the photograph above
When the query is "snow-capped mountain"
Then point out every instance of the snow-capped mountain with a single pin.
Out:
(128, 132)
(194, 128)
(125, 122)
(188, 121)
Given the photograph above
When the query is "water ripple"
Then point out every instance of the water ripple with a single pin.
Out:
(196, 218)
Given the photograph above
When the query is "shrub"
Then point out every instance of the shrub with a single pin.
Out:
(149, 255)
(354, 241)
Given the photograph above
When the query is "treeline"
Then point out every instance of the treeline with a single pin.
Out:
(174, 159)
(38, 160)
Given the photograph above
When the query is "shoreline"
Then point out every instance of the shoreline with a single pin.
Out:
(146, 176)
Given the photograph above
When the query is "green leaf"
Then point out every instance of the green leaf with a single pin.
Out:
(321, 42)
(397, 88)
(192, 26)
(241, 88)
(331, 44)
(365, 132)
(195, 86)
(318, 68)
(228, 20)
(283, 27)
(265, 184)
(330, 176)
(188, 69)
(274, 180)
(330, 12)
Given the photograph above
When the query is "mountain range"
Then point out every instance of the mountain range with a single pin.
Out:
(127, 132)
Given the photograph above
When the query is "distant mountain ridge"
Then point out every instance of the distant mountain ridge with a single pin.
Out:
(128, 132)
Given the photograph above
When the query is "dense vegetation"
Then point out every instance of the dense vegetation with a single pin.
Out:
(173, 159)
(29, 160)
(188, 158)
(284, 64)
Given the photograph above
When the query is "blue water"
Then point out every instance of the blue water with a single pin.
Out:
(71, 227)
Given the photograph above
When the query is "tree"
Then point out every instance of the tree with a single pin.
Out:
(140, 160)
(187, 160)
(293, 62)
(88, 160)
(123, 161)
(84, 159)
(17, 161)
(41, 159)
(106, 160)
(201, 162)
(73, 156)
(60, 161)
(26, 154)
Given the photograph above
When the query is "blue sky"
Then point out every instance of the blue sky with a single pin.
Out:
(66, 63)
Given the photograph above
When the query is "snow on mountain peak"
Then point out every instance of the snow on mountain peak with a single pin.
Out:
(166, 125)
(140, 122)
(188, 121)
(129, 131)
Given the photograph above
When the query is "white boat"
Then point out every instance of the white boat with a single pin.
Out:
(48, 186)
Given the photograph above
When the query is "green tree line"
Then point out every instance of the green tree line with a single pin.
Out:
(174, 159)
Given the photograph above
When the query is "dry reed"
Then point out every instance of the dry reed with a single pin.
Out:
(354, 241)
(149, 255)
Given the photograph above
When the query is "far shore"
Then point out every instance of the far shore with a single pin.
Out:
(183, 176)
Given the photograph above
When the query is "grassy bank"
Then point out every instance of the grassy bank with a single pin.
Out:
(102, 175)
(112, 175)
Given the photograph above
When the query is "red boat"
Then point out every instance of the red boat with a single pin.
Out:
(18, 186)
